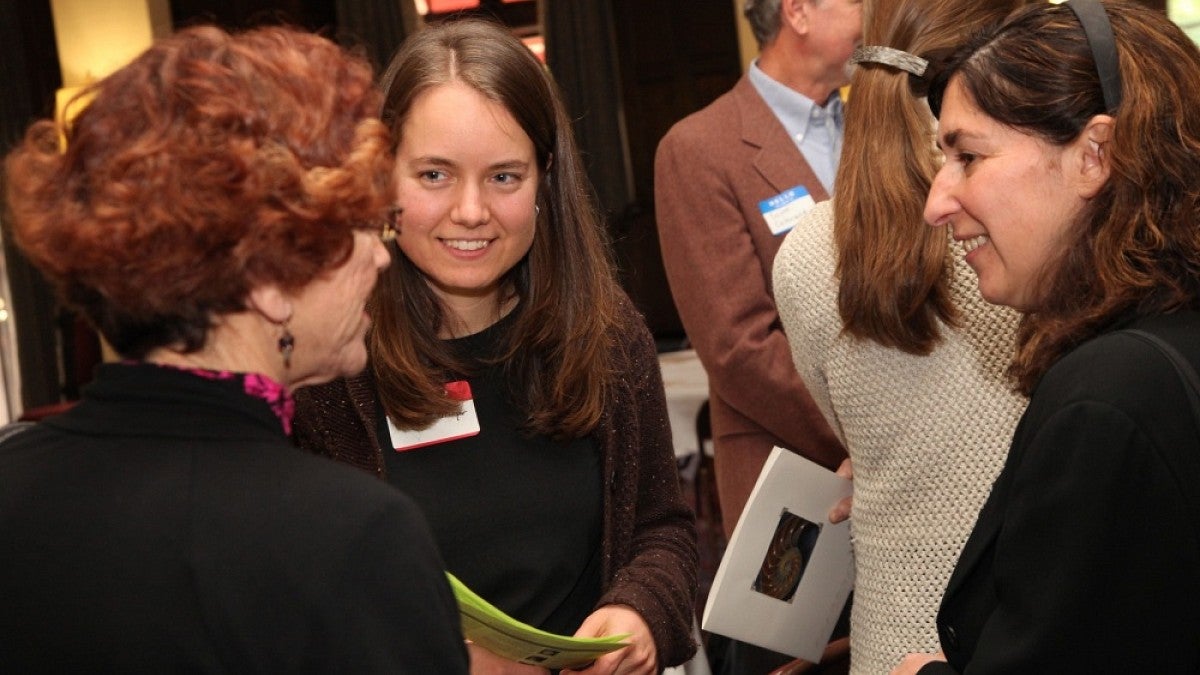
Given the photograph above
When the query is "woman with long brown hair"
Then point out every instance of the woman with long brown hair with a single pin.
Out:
(891, 338)
(514, 390)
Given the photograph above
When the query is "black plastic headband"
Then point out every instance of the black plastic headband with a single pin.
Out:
(1098, 31)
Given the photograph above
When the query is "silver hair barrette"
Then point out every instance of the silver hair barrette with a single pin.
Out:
(890, 57)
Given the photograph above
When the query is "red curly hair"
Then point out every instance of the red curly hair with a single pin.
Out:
(209, 165)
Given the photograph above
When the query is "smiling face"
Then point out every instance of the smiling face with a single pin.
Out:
(1007, 196)
(466, 178)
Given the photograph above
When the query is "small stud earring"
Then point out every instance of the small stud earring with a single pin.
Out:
(537, 210)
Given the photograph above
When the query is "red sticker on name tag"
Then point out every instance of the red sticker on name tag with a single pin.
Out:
(459, 390)
(451, 428)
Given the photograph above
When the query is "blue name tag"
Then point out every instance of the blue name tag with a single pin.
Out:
(785, 209)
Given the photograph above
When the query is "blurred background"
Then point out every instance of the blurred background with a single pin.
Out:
(629, 69)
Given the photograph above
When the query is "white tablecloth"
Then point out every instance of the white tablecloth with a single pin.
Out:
(686, 385)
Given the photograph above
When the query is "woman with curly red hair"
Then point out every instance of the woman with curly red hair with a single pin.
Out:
(215, 215)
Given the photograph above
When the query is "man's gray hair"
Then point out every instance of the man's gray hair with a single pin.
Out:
(763, 16)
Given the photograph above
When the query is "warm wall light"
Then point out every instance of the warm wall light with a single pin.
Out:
(62, 114)
(537, 45)
(65, 110)
(96, 37)
(446, 6)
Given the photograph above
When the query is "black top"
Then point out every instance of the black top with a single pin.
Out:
(517, 518)
(165, 524)
(648, 547)
(1084, 557)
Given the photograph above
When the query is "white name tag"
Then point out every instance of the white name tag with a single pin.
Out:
(452, 428)
(784, 210)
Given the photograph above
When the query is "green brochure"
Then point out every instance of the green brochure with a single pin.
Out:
(504, 636)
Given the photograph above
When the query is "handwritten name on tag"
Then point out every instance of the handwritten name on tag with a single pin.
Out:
(451, 428)
(785, 209)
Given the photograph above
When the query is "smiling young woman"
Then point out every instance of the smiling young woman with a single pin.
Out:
(468, 178)
(514, 390)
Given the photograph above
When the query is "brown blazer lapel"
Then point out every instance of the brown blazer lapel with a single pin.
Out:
(777, 159)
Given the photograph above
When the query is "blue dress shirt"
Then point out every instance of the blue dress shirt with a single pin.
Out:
(816, 129)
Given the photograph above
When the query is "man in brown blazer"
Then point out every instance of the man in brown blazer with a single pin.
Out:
(729, 182)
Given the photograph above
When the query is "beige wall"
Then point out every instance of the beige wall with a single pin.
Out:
(746, 43)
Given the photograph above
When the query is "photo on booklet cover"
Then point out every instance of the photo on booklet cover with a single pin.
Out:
(786, 557)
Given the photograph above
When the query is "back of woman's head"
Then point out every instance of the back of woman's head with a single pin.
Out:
(1136, 245)
(566, 284)
(891, 269)
(210, 164)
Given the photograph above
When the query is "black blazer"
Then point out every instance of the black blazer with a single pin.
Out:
(166, 524)
(1086, 556)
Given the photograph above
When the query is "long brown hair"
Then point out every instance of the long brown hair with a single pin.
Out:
(892, 268)
(1135, 248)
(557, 354)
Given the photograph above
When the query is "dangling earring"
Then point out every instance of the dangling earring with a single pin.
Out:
(537, 210)
(287, 342)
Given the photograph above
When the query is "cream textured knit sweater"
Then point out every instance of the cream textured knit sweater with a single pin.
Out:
(927, 436)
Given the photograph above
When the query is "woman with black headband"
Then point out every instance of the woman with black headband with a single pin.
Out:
(1072, 151)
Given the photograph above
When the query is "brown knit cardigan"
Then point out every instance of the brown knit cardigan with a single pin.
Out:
(649, 544)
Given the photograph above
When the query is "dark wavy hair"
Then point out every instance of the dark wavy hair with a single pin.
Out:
(892, 268)
(210, 164)
(1135, 248)
(557, 355)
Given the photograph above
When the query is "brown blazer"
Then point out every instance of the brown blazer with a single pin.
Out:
(711, 171)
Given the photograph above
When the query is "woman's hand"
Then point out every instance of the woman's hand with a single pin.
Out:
(841, 510)
(912, 663)
(484, 662)
(640, 657)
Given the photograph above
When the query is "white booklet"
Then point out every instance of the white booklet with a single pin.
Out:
(787, 570)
